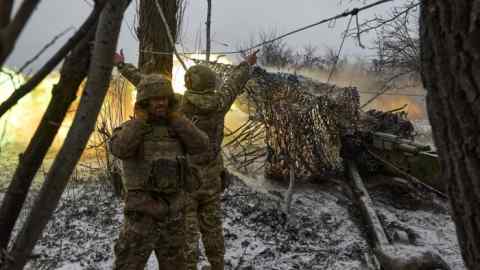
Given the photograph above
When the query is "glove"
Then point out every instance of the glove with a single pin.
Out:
(174, 117)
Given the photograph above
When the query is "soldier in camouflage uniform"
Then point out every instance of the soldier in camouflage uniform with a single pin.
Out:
(155, 147)
(207, 107)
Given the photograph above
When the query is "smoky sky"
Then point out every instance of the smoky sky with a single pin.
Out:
(234, 24)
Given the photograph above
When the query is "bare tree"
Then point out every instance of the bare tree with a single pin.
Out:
(279, 54)
(84, 122)
(310, 59)
(397, 43)
(450, 53)
(64, 92)
(208, 23)
(274, 54)
(397, 61)
(152, 35)
(332, 60)
(53, 61)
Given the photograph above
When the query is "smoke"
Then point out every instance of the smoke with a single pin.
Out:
(19, 123)
(403, 92)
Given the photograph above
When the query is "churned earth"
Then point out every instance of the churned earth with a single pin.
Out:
(323, 229)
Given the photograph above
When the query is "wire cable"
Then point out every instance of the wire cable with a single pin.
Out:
(352, 12)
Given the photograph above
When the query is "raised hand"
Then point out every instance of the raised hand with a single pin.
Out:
(252, 58)
(118, 58)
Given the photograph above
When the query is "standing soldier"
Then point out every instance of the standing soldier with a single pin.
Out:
(155, 148)
(207, 106)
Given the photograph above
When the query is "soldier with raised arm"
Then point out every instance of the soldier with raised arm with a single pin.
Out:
(206, 104)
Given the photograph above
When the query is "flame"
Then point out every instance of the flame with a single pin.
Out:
(415, 109)
(178, 72)
(19, 123)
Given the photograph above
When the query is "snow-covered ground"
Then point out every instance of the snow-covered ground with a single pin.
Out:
(423, 132)
(323, 231)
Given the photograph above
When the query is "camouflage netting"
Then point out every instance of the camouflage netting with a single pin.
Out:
(299, 121)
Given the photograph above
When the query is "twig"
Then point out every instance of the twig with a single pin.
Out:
(382, 22)
(385, 88)
(9, 35)
(45, 47)
(53, 62)
(330, 19)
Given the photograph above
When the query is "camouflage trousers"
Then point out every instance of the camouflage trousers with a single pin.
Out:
(204, 215)
(152, 224)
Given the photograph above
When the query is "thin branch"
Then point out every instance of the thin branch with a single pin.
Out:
(9, 36)
(208, 24)
(83, 124)
(53, 62)
(379, 22)
(385, 88)
(352, 12)
(44, 48)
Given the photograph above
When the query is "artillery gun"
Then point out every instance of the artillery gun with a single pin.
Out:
(388, 146)
(314, 130)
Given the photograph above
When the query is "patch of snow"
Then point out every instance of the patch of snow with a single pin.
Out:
(323, 231)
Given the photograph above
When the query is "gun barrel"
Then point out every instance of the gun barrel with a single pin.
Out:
(386, 141)
(411, 157)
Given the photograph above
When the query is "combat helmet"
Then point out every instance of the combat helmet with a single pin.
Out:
(153, 85)
(201, 78)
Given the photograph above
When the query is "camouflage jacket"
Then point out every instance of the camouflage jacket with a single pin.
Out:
(207, 108)
(151, 153)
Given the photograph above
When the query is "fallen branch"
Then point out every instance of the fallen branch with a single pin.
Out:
(390, 256)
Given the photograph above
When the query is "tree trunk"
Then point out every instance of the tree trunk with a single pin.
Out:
(73, 72)
(5, 12)
(152, 36)
(208, 23)
(83, 125)
(54, 60)
(10, 34)
(450, 54)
